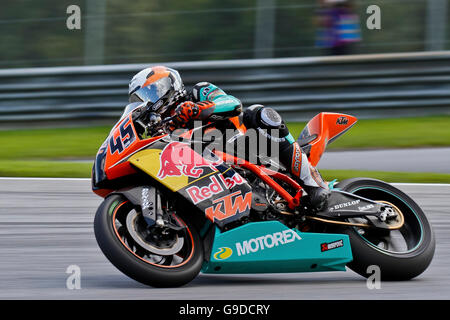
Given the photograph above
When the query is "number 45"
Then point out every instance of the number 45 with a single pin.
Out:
(124, 140)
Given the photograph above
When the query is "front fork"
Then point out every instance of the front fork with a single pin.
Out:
(150, 201)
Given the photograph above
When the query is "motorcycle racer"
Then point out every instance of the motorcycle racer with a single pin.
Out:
(163, 90)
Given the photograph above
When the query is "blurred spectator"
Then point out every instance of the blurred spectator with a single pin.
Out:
(338, 26)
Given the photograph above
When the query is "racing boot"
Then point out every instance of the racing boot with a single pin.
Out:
(293, 158)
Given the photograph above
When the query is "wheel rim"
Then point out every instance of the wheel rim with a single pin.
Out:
(174, 255)
(137, 228)
(399, 241)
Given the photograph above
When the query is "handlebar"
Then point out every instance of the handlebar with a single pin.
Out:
(168, 119)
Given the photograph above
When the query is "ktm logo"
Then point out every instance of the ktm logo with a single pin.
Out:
(342, 120)
(229, 205)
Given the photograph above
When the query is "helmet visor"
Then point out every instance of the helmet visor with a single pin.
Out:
(153, 92)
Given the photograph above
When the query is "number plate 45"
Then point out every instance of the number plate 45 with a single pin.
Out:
(122, 138)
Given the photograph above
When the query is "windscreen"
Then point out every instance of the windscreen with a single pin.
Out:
(152, 92)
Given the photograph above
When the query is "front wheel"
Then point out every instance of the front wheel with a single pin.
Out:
(400, 254)
(155, 256)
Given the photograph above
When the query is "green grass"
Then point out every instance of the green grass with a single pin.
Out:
(44, 169)
(412, 177)
(391, 133)
(57, 143)
(34, 152)
(9, 168)
(73, 143)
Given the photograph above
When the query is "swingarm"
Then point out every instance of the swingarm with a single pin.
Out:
(344, 205)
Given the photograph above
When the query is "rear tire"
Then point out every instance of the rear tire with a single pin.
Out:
(419, 240)
(146, 272)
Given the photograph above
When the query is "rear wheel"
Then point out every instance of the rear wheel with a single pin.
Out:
(156, 256)
(401, 254)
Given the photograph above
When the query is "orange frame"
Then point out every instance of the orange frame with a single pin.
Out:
(265, 175)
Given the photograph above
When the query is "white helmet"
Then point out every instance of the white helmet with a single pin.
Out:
(160, 87)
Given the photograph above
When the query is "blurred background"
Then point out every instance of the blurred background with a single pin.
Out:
(386, 62)
(62, 89)
(34, 33)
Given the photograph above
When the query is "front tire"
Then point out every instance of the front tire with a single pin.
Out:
(134, 259)
(400, 254)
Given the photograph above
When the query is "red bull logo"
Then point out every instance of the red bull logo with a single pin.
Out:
(178, 159)
(231, 182)
(198, 194)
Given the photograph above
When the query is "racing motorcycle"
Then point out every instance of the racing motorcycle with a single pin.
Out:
(171, 211)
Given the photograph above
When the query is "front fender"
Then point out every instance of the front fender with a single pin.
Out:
(145, 197)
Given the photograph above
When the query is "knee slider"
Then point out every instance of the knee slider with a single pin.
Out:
(250, 116)
(270, 119)
(259, 116)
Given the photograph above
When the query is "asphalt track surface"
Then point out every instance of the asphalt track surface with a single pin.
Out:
(46, 226)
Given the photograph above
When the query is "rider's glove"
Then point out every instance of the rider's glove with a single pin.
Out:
(187, 111)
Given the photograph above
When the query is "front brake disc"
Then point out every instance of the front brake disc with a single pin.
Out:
(133, 230)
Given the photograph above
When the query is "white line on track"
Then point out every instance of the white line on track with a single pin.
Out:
(422, 184)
